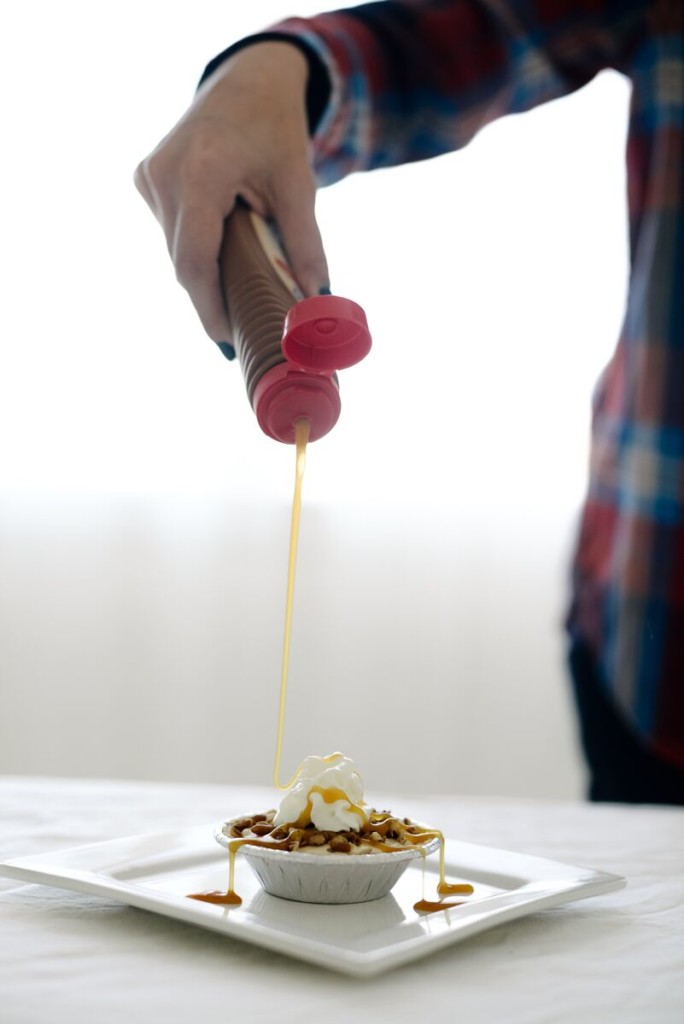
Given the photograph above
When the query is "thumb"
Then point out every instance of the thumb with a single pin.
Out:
(294, 214)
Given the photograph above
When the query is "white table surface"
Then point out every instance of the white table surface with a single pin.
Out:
(68, 957)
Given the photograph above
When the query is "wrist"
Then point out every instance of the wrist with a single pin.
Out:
(289, 55)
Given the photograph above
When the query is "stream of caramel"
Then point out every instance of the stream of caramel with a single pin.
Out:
(302, 428)
(230, 897)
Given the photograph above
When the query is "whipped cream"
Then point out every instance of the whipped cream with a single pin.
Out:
(328, 792)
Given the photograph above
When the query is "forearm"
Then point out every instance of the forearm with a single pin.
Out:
(411, 79)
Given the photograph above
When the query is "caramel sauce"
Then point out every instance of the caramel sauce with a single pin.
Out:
(444, 888)
(329, 794)
(430, 907)
(225, 899)
(230, 898)
(301, 432)
(452, 888)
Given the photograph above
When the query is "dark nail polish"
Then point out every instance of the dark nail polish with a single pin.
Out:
(324, 291)
(227, 349)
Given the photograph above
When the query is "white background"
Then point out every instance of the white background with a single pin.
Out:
(143, 516)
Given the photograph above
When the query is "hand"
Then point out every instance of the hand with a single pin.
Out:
(246, 134)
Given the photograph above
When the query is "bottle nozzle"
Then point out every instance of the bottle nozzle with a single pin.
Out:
(286, 393)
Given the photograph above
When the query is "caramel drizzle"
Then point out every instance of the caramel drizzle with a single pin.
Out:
(230, 897)
(432, 906)
(331, 795)
(444, 888)
(301, 433)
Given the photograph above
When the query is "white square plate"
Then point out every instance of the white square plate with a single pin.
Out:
(156, 872)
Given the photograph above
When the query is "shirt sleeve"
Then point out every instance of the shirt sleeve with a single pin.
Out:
(405, 80)
(412, 79)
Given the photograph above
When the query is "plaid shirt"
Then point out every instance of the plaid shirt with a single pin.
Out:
(410, 79)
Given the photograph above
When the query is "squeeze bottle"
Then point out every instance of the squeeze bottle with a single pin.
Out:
(288, 346)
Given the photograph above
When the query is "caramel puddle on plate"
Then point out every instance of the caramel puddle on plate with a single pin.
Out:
(230, 898)
(444, 888)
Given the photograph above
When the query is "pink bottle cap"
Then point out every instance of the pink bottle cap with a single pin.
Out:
(321, 334)
(326, 333)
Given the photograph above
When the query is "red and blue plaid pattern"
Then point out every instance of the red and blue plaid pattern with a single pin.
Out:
(415, 78)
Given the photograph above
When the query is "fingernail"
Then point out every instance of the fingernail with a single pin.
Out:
(324, 291)
(227, 349)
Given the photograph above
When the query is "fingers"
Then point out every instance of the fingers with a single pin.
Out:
(246, 133)
(193, 236)
(195, 247)
(294, 213)
(142, 185)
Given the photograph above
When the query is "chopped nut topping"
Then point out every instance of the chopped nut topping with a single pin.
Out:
(262, 828)
(380, 828)
(317, 839)
(340, 845)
